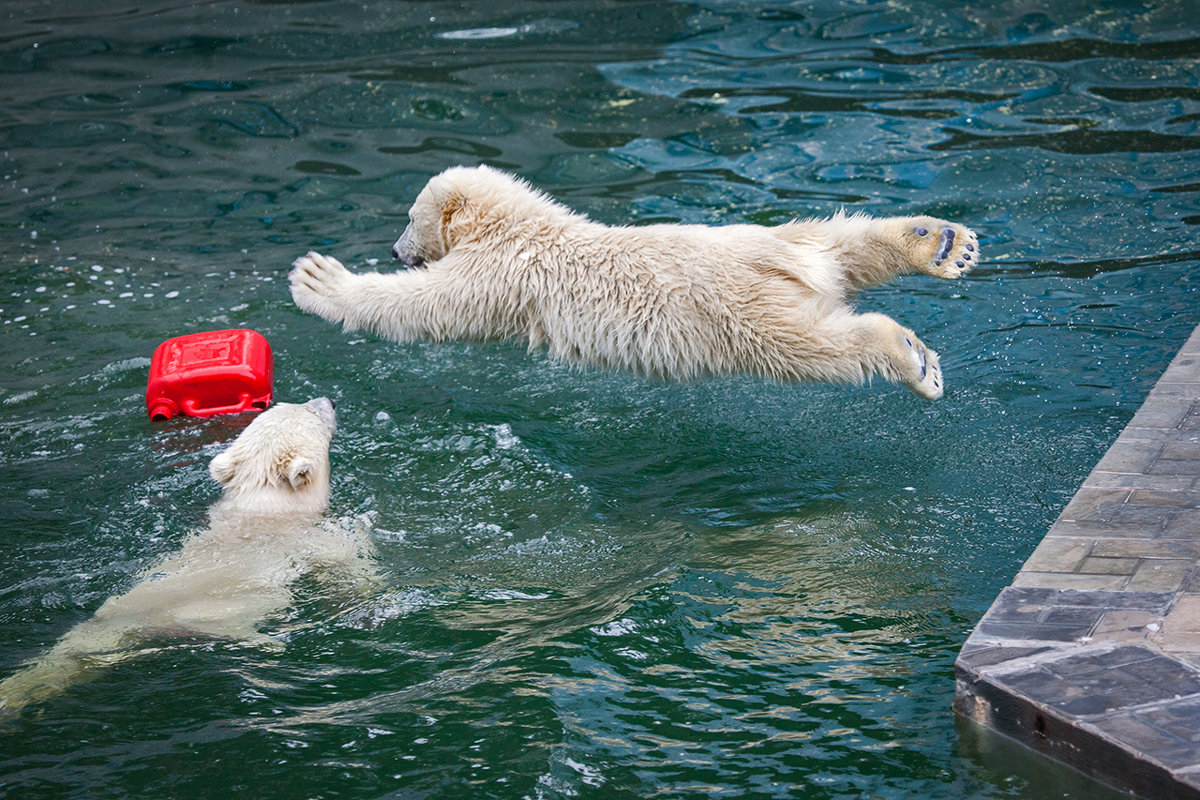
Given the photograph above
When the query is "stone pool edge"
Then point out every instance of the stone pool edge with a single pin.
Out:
(1092, 655)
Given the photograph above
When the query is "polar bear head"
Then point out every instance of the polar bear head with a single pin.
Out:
(463, 203)
(280, 463)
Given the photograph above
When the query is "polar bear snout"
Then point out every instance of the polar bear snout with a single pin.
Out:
(324, 408)
(323, 405)
(405, 249)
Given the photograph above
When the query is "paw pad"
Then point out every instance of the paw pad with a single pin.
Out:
(951, 250)
(945, 242)
(929, 381)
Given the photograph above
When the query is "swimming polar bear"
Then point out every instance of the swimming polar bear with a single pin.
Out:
(502, 260)
(263, 534)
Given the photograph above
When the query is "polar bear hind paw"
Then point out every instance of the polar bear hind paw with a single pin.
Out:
(928, 369)
(948, 250)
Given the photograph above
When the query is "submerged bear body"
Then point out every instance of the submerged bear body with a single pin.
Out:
(264, 533)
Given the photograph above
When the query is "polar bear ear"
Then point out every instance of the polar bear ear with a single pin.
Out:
(222, 468)
(300, 472)
(452, 209)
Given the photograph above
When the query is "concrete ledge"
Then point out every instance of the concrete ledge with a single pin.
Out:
(1092, 655)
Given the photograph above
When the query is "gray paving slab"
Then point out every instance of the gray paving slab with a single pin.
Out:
(1092, 655)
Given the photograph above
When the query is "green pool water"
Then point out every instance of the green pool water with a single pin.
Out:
(596, 586)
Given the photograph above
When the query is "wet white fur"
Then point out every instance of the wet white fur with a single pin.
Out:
(503, 260)
(265, 532)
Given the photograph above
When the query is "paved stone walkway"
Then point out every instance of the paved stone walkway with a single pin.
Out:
(1092, 655)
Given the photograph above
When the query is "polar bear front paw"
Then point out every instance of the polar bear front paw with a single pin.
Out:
(928, 369)
(946, 249)
(319, 286)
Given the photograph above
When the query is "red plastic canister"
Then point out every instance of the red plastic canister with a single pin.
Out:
(215, 372)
